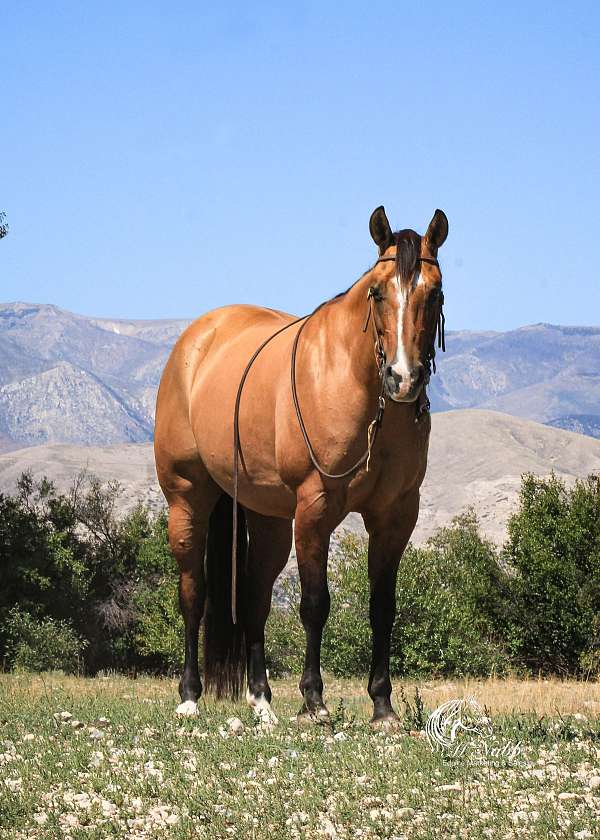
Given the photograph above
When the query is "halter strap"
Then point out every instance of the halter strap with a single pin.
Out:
(430, 260)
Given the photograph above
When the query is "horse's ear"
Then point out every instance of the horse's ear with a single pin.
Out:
(437, 230)
(380, 229)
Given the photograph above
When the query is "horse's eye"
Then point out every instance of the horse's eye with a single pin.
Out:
(375, 293)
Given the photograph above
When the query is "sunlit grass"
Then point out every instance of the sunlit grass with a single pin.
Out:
(145, 773)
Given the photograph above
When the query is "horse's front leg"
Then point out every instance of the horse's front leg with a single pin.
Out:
(313, 527)
(389, 533)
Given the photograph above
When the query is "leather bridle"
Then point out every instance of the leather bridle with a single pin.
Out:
(374, 425)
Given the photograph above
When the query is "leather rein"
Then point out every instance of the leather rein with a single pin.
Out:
(374, 425)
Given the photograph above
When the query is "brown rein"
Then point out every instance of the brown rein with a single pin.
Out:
(372, 430)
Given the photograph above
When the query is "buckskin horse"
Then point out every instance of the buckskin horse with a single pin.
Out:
(263, 419)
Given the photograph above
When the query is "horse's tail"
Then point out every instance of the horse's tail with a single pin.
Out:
(224, 647)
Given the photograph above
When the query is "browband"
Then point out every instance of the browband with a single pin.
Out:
(430, 260)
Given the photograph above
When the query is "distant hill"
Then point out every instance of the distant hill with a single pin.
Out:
(542, 372)
(476, 458)
(66, 378)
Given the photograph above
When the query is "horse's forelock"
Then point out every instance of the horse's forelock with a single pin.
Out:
(408, 249)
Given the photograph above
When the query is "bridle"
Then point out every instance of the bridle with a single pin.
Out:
(374, 425)
(441, 322)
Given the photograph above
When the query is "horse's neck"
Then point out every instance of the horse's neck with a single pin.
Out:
(343, 323)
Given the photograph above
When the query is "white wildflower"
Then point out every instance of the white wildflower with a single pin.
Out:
(236, 727)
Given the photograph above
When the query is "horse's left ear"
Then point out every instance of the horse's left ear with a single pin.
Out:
(437, 230)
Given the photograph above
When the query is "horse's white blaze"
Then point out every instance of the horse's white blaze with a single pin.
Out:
(400, 363)
(187, 709)
(262, 709)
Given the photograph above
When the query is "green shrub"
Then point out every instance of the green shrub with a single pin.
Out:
(159, 625)
(347, 636)
(452, 610)
(77, 580)
(42, 644)
(452, 606)
(554, 547)
(284, 634)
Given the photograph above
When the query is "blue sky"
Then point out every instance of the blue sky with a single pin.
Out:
(160, 159)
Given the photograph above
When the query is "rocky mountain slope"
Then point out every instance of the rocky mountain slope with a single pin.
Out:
(542, 372)
(66, 378)
(476, 458)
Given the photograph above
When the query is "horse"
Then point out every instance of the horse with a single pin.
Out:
(264, 420)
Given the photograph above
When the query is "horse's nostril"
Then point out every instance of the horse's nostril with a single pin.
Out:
(416, 374)
(391, 373)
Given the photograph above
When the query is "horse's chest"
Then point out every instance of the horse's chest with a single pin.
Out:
(397, 466)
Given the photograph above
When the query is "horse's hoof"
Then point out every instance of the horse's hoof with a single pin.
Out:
(188, 708)
(265, 716)
(319, 717)
(387, 723)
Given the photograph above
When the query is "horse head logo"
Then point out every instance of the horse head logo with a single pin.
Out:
(457, 725)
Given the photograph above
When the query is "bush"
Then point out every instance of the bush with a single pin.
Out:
(554, 547)
(347, 637)
(452, 610)
(159, 625)
(42, 644)
(78, 581)
(452, 605)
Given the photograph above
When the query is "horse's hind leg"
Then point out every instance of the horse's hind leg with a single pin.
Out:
(268, 551)
(189, 513)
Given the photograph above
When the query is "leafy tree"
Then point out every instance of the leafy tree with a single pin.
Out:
(82, 586)
(3, 225)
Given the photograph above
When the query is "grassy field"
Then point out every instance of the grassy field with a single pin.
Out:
(106, 757)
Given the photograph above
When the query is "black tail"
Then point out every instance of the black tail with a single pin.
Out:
(224, 647)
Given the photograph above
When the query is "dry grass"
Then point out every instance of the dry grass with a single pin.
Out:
(543, 697)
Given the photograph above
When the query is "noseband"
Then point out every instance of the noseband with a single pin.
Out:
(374, 425)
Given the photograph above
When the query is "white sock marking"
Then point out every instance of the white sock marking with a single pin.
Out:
(187, 709)
(262, 709)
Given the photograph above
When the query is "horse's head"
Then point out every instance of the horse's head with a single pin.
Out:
(406, 287)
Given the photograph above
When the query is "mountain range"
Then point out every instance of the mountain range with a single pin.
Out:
(72, 379)
(476, 458)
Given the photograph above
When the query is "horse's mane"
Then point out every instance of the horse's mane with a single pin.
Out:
(408, 248)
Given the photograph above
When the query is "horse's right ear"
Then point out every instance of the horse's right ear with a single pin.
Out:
(380, 229)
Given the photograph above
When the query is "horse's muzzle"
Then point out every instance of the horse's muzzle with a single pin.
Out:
(404, 388)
